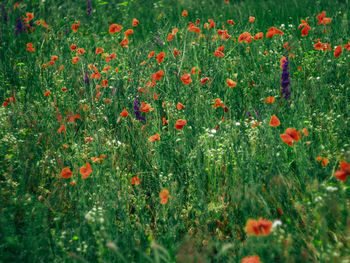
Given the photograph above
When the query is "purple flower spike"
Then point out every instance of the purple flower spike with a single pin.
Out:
(89, 7)
(285, 80)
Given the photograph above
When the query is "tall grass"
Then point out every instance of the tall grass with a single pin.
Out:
(223, 168)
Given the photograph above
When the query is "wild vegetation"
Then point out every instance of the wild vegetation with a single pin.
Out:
(174, 131)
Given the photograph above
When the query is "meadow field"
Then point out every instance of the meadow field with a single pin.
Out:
(175, 131)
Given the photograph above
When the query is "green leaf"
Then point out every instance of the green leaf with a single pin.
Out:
(124, 3)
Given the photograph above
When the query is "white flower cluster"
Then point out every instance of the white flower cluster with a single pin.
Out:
(95, 215)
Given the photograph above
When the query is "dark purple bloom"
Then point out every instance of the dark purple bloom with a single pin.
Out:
(86, 79)
(4, 14)
(157, 41)
(285, 80)
(89, 7)
(19, 27)
(137, 111)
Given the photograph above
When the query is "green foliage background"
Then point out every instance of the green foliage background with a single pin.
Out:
(217, 181)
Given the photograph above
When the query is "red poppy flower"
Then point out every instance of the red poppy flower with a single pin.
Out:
(160, 57)
(135, 180)
(324, 162)
(95, 75)
(105, 69)
(192, 28)
(230, 22)
(259, 227)
(305, 132)
(274, 121)
(305, 30)
(73, 47)
(165, 121)
(251, 19)
(282, 61)
(290, 135)
(211, 23)
(124, 113)
(164, 195)
(270, 100)
(75, 60)
(66, 173)
(218, 103)
(337, 51)
(114, 28)
(128, 32)
(287, 139)
(151, 54)
(186, 79)
(204, 80)
(184, 13)
(30, 47)
(80, 51)
(180, 106)
(347, 46)
(75, 27)
(99, 50)
(104, 83)
(47, 93)
(194, 71)
(344, 166)
(245, 36)
(154, 138)
(343, 172)
(251, 259)
(158, 75)
(273, 31)
(303, 23)
(176, 52)
(54, 58)
(180, 124)
(170, 37)
(223, 34)
(322, 19)
(29, 16)
(62, 128)
(322, 46)
(85, 171)
(231, 83)
(293, 133)
(135, 22)
(146, 107)
(219, 54)
(124, 42)
(341, 175)
(259, 35)
(71, 117)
